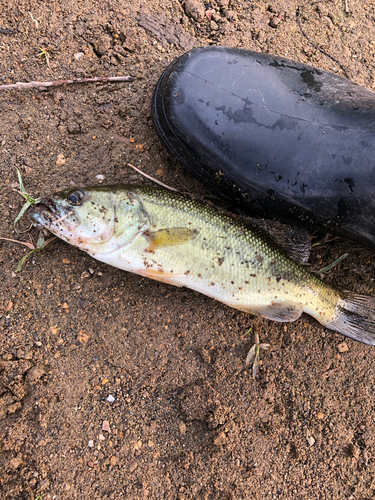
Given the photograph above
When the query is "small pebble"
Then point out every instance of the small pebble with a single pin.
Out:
(101, 437)
(113, 461)
(110, 398)
(105, 426)
(91, 444)
(60, 161)
(343, 347)
(138, 445)
(100, 177)
(311, 440)
(182, 427)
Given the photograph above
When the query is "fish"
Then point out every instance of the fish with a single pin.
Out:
(185, 242)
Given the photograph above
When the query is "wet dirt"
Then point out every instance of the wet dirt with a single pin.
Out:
(113, 386)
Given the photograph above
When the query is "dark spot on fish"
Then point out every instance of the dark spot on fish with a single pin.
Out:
(232, 282)
(278, 278)
(199, 275)
(212, 284)
(220, 261)
(247, 282)
(253, 275)
(259, 258)
(187, 272)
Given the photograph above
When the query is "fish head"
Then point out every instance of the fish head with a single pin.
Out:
(96, 219)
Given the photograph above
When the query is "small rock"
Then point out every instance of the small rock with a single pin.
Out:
(182, 427)
(219, 312)
(20, 354)
(138, 445)
(91, 444)
(132, 466)
(101, 437)
(78, 55)
(16, 462)
(343, 347)
(100, 177)
(195, 10)
(85, 274)
(209, 13)
(105, 426)
(42, 443)
(113, 461)
(110, 399)
(231, 15)
(214, 26)
(320, 415)
(311, 440)
(103, 45)
(74, 128)
(275, 22)
(34, 374)
(60, 160)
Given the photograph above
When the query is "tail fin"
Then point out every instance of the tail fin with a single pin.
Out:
(355, 317)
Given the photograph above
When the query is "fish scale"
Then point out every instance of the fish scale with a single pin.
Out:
(181, 241)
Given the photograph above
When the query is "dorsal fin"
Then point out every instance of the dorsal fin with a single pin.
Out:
(295, 241)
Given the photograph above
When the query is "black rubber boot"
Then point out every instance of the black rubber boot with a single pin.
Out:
(277, 137)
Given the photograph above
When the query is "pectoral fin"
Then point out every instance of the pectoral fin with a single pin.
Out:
(159, 275)
(169, 237)
(279, 311)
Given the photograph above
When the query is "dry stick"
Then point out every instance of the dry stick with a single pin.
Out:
(346, 6)
(30, 85)
(152, 179)
(300, 10)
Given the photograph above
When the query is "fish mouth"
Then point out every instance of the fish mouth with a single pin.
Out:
(46, 212)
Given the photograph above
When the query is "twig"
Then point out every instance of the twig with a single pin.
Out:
(30, 85)
(152, 179)
(300, 10)
(346, 6)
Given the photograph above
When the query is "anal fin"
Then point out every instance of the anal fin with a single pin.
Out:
(284, 311)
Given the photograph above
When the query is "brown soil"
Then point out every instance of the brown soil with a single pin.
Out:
(187, 420)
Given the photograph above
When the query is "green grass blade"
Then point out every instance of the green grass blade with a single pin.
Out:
(328, 268)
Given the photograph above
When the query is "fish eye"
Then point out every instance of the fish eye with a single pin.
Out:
(76, 198)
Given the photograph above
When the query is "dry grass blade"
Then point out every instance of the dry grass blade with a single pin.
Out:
(152, 178)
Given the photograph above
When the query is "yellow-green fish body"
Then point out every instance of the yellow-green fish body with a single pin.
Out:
(177, 240)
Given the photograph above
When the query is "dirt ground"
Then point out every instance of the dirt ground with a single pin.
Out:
(116, 387)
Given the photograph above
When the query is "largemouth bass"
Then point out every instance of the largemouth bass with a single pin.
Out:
(174, 239)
